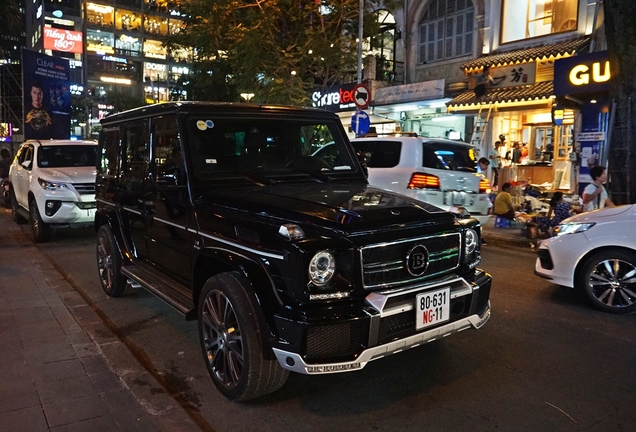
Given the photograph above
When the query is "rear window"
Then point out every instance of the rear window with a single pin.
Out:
(378, 154)
(448, 156)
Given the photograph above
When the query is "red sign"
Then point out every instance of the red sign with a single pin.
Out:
(361, 96)
(62, 40)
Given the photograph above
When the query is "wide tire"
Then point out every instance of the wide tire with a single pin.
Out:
(113, 282)
(41, 230)
(17, 218)
(608, 279)
(232, 332)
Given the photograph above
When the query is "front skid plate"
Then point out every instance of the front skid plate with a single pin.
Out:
(295, 362)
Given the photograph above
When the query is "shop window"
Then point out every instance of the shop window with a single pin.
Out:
(176, 26)
(156, 26)
(446, 30)
(100, 42)
(127, 20)
(181, 55)
(100, 15)
(154, 49)
(564, 144)
(128, 45)
(523, 19)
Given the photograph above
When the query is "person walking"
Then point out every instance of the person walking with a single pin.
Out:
(594, 195)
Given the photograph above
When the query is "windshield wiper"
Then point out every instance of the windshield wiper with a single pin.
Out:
(317, 175)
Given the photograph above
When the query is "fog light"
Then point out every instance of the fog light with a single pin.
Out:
(51, 207)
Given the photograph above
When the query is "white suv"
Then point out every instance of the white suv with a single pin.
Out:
(437, 171)
(53, 185)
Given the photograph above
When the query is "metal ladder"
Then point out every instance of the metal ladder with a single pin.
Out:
(480, 126)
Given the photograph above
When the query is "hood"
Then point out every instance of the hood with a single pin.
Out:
(602, 215)
(69, 174)
(347, 207)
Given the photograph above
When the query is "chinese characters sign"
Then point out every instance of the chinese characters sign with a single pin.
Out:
(514, 75)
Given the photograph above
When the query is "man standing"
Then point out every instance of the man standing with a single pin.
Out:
(595, 196)
(495, 163)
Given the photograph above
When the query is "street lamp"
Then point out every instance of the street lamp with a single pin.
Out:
(247, 96)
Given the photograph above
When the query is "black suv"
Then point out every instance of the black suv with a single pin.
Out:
(288, 261)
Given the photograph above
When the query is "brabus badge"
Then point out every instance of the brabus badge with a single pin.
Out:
(417, 260)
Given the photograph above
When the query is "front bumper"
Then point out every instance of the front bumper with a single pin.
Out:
(71, 209)
(386, 327)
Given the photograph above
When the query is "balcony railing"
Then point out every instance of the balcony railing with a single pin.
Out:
(389, 71)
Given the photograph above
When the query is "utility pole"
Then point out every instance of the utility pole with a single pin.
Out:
(360, 41)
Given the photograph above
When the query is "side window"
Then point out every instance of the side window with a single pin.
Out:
(379, 154)
(135, 157)
(110, 151)
(166, 149)
(26, 155)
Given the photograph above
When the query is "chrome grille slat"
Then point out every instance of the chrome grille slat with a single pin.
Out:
(384, 264)
(84, 188)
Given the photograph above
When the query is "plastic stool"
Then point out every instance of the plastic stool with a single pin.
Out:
(501, 222)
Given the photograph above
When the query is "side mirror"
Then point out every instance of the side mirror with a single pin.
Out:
(459, 212)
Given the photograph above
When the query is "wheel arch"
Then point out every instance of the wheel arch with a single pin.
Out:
(110, 219)
(220, 260)
(584, 258)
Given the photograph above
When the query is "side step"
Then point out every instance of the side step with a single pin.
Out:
(175, 294)
(24, 213)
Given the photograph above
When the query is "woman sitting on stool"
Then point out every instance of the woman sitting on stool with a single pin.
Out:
(503, 203)
(560, 209)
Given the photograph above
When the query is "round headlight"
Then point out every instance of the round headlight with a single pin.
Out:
(322, 267)
(470, 241)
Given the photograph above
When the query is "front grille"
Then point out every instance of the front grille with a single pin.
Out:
(84, 188)
(545, 259)
(384, 265)
(335, 340)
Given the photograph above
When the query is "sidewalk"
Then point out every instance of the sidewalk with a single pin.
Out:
(508, 237)
(62, 368)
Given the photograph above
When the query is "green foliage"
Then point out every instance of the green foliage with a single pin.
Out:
(276, 49)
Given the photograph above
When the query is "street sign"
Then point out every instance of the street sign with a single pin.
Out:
(590, 136)
(360, 123)
(361, 96)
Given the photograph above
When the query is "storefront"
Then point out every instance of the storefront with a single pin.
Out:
(518, 111)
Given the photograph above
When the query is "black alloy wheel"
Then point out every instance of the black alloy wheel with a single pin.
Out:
(231, 331)
(41, 230)
(113, 282)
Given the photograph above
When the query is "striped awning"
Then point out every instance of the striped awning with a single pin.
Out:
(497, 58)
(535, 92)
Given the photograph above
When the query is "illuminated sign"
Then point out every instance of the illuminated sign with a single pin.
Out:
(339, 99)
(580, 74)
(154, 55)
(114, 80)
(558, 113)
(515, 75)
(100, 49)
(38, 14)
(588, 73)
(155, 67)
(63, 40)
(99, 9)
(114, 59)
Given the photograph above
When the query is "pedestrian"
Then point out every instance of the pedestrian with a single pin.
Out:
(515, 153)
(5, 163)
(559, 210)
(482, 165)
(594, 195)
(495, 163)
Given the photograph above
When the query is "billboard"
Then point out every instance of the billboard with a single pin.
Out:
(63, 40)
(47, 99)
(586, 73)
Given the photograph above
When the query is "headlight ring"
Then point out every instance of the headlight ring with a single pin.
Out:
(322, 268)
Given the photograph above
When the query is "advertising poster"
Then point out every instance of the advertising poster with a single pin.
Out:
(47, 98)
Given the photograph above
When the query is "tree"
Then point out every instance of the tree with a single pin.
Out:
(276, 49)
(621, 42)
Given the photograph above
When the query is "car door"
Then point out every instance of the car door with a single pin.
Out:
(134, 172)
(167, 194)
(21, 173)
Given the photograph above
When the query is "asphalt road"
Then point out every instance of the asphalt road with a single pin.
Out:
(545, 361)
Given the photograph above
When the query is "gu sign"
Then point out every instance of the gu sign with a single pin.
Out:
(582, 74)
(62, 40)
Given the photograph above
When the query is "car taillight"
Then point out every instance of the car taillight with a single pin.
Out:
(484, 186)
(423, 181)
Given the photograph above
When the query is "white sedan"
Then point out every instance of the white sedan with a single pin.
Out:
(595, 252)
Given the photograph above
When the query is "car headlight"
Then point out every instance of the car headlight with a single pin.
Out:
(322, 267)
(470, 241)
(572, 228)
(47, 185)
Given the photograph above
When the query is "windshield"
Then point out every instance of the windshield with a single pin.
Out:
(61, 156)
(267, 147)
